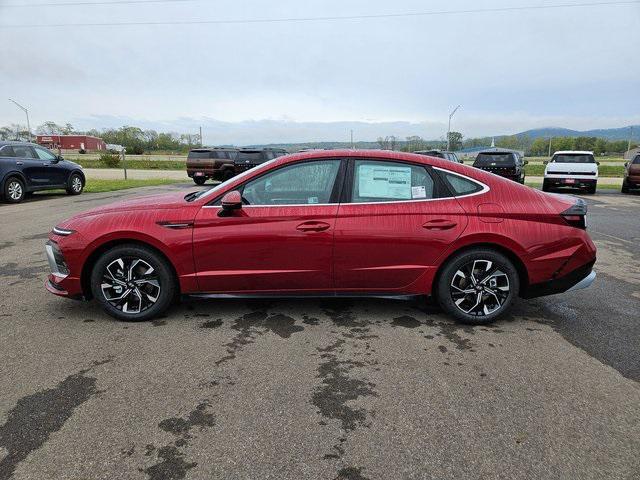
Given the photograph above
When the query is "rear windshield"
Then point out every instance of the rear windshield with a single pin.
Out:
(636, 161)
(253, 157)
(494, 159)
(573, 158)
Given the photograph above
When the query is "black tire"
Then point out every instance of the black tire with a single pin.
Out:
(497, 293)
(144, 285)
(14, 190)
(625, 186)
(227, 175)
(75, 184)
(199, 180)
(545, 186)
(591, 190)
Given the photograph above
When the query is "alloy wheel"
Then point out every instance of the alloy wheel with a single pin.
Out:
(130, 285)
(76, 184)
(479, 287)
(14, 190)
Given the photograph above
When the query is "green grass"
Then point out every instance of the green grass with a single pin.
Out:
(601, 186)
(137, 164)
(94, 186)
(603, 170)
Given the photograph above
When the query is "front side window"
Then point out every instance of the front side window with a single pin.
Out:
(22, 151)
(45, 154)
(305, 183)
(636, 161)
(379, 181)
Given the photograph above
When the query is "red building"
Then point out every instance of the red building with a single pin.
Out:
(79, 143)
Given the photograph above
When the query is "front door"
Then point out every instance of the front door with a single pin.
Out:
(392, 228)
(53, 171)
(281, 240)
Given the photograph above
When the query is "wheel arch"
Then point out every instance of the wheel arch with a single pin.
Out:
(92, 258)
(79, 172)
(518, 263)
(11, 174)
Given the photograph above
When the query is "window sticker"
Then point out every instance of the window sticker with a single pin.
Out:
(382, 181)
(312, 200)
(419, 192)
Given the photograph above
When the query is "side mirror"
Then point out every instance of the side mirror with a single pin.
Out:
(59, 157)
(597, 163)
(230, 202)
(545, 162)
(526, 162)
(626, 164)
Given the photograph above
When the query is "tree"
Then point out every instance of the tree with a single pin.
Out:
(49, 128)
(455, 141)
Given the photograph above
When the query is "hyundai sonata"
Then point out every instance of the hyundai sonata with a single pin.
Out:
(330, 223)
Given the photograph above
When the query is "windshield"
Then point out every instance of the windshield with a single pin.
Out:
(494, 159)
(573, 158)
(222, 186)
(636, 161)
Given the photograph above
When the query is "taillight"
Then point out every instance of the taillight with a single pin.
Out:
(576, 215)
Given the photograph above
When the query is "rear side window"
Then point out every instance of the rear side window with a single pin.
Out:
(22, 151)
(461, 185)
(6, 151)
(378, 181)
(636, 161)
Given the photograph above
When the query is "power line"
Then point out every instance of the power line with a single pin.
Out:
(321, 19)
(71, 4)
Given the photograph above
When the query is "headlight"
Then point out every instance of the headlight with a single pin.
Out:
(63, 232)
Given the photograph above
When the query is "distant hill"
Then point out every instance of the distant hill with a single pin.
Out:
(606, 133)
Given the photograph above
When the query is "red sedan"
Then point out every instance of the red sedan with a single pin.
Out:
(330, 223)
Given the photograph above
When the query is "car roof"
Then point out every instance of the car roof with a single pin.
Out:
(210, 149)
(573, 152)
(17, 142)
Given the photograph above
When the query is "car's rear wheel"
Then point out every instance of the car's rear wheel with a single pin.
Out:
(591, 190)
(199, 180)
(75, 185)
(133, 283)
(14, 190)
(477, 286)
(545, 186)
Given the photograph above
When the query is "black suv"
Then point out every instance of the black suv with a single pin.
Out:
(26, 167)
(248, 158)
(440, 154)
(216, 162)
(506, 164)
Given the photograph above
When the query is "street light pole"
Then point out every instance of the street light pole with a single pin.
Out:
(449, 128)
(26, 113)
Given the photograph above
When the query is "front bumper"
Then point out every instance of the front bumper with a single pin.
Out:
(570, 182)
(61, 281)
(581, 277)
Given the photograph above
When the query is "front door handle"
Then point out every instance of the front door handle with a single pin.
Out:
(19, 163)
(313, 226)
(439, 224)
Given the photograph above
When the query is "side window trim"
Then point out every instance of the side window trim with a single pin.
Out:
(485, 187)
(334, 198)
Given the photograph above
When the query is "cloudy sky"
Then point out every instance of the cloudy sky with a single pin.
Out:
(308, 80)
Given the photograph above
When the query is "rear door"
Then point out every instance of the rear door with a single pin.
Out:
(282, 238)
(392, 227)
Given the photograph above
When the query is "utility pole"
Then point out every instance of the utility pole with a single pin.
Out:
(201, 135)
(24, 109)
(449, 128)
(351, 139)
(549, 147)
(630, 136)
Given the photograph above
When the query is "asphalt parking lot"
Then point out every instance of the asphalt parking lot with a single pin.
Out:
(318, 389)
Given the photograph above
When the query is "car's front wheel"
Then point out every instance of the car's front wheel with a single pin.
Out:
(477, 286)
(199, 180)
(545, 186)
(133, 283)
(75, 185)
(625, 186)
(14, 190)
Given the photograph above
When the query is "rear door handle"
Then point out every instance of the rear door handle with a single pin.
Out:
(439, 224)
(313, 226)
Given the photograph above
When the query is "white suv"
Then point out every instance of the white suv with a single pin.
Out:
(573, 169)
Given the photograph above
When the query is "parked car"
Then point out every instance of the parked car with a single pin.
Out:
(506, 164)
(631, 175)
(440, 154)
(248, 158)
(26, 168)
(211, 163)
(341, 222)
(573, 169)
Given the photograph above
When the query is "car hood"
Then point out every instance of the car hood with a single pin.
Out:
(572, 167)
(149, 202)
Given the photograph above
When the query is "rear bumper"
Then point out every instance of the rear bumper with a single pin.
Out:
(581, 277)
(570, 182)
